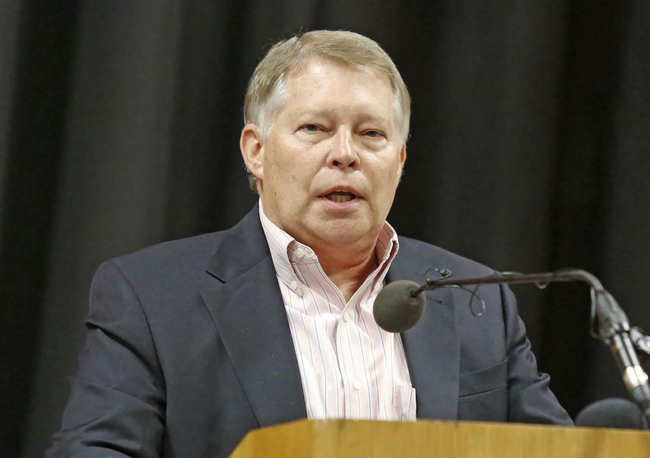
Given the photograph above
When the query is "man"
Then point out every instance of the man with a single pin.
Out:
(193, 343)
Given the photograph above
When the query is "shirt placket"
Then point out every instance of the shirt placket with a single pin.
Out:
(345, 350)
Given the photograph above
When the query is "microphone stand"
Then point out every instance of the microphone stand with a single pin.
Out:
(608, 322)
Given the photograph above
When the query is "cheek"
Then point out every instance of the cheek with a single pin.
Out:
(289, 176)
(387, 177)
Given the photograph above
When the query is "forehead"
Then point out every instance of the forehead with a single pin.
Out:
(331, 84)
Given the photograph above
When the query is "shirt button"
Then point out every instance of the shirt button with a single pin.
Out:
(377, 287)
(299, 253)
(357, 385)
(293, 285)
(346, 316)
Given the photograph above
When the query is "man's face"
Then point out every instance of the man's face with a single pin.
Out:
(329, 171)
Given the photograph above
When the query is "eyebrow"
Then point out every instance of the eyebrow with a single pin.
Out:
(329, 112)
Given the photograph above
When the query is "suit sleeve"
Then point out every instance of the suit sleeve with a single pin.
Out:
(530, 399)
(117, 401)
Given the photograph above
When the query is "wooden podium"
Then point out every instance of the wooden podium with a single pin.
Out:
(437, 439)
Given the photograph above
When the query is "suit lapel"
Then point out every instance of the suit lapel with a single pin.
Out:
(252, 323)
(432, 347)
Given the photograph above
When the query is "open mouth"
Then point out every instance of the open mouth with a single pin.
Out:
(340, 196)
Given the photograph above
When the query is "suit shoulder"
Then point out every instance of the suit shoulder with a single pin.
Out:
(440, 258)
(189, 253)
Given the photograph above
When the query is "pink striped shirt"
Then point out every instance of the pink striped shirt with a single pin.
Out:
(349, 366)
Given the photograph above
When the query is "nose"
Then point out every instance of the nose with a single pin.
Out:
(343, 154)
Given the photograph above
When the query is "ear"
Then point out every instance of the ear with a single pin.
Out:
(402, 159)
(252, 150)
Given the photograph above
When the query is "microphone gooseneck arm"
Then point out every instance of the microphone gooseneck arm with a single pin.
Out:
(609, 323)
(510, 278)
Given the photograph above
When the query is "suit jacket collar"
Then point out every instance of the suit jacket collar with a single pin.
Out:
(242, 247)
(251, 319)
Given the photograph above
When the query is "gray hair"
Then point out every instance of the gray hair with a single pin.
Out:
(267, 92)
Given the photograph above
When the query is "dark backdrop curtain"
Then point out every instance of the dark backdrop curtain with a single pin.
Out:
(119, 125)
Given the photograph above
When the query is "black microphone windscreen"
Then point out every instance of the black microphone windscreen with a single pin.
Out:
(395, 310)
(612, 413)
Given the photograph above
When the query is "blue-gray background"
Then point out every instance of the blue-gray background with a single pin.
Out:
(119, 126)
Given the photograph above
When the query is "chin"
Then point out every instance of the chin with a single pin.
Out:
(341, 233)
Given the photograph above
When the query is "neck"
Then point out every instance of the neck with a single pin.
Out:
(348, 270)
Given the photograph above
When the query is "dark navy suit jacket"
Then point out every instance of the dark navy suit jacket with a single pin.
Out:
(189, 348)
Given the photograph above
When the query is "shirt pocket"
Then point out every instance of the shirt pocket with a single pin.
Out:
(404, 402)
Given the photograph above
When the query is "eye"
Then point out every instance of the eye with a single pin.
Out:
(311, 128)
(373, 134)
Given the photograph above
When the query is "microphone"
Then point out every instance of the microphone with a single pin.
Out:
(612, 413)
(396, 309)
